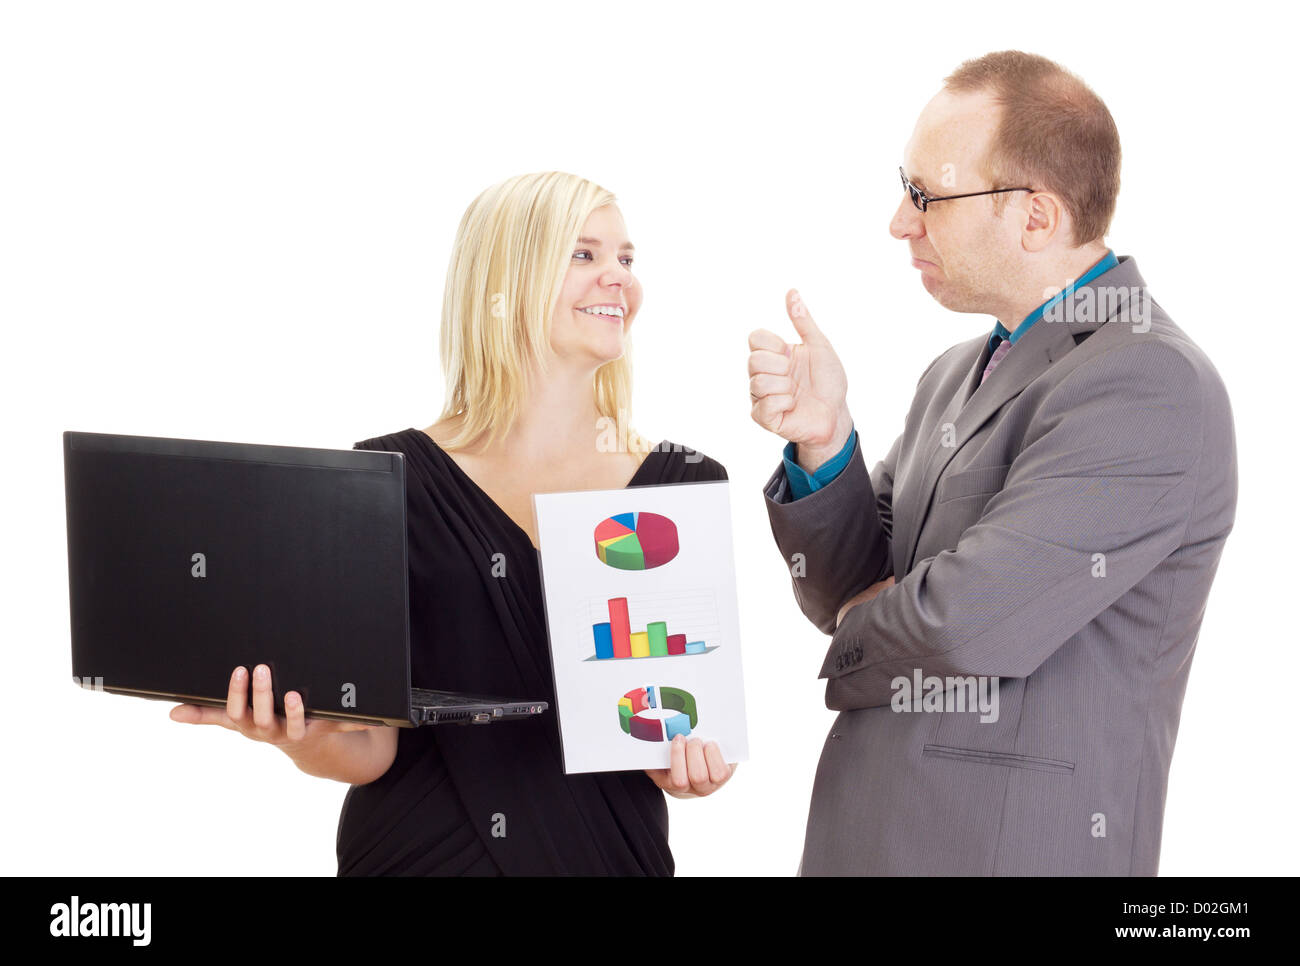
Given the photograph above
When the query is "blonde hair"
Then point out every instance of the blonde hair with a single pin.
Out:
(513, 248)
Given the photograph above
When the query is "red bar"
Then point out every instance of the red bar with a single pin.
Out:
(676, 643)
(620, 629)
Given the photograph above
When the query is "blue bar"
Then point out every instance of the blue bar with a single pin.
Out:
(604, 640)
(694, 647)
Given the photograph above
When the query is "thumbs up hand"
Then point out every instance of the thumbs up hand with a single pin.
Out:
(799, 391)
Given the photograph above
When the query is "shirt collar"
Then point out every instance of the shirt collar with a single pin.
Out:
(1107, 262)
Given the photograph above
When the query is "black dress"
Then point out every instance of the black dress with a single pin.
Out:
(494, 799)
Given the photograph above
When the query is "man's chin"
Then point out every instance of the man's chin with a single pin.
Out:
(934, 287)
(951, 300)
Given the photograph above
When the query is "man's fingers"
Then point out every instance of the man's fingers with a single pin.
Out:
(762, 340)
(769, 412)
(803, 321)
(765, 384)
(763, 361)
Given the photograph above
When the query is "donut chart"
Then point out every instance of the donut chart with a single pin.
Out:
(634, 722)
(636, 541)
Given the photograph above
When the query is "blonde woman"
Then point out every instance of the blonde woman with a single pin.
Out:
(539, 299)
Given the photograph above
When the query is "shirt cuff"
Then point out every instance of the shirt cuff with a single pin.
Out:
(802, 482)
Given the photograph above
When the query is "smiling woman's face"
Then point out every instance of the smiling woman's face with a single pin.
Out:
(599, 277)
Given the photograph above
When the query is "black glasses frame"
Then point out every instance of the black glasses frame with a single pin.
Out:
(923, 201)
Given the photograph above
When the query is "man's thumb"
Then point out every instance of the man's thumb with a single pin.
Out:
(802, 319)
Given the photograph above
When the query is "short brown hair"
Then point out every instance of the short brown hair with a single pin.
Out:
(1054, 135)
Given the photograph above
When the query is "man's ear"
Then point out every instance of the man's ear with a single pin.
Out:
(1045, 218)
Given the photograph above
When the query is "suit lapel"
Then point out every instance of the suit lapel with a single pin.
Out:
(974, 403)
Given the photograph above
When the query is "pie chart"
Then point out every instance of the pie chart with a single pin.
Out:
(636, 541)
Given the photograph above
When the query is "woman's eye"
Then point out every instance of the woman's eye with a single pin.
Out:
(583, 254)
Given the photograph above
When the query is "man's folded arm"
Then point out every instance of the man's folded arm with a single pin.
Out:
(1098, 496)
(843, 530)
(836, 540)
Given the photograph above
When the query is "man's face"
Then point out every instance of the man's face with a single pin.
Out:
(966, 254)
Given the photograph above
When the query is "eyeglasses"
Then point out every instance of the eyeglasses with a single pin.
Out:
(923, 201)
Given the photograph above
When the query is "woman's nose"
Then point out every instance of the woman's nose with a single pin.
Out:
(617, 274)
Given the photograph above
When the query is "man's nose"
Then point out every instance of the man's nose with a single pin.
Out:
(907, 221)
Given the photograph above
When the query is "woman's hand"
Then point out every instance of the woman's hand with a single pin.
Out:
(320, 747)
(294, 734)
(695, 770)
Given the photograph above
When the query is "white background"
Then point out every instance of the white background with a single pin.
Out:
(232, 221)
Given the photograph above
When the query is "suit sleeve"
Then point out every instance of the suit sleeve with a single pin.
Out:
(1107, 468)
(836, 540)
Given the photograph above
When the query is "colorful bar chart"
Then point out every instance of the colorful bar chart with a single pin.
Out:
(615, 638)
(636, 541)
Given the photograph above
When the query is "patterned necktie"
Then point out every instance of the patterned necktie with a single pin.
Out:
(1003, 348)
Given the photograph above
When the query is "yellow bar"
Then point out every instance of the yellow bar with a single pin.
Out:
(641, 644)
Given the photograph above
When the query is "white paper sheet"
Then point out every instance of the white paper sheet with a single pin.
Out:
(691, 590)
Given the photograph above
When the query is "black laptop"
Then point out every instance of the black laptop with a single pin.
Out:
(189, 558)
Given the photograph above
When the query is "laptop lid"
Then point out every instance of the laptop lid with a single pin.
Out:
(188, 558)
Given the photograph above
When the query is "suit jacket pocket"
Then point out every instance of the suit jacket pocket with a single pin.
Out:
(1007, 758)
(982, 479)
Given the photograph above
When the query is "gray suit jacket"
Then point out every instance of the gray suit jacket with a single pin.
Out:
(1057, 527)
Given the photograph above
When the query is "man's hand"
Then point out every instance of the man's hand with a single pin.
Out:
(869, 594)
(800, 391)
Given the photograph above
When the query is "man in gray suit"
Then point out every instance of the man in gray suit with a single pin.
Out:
(1015, 590)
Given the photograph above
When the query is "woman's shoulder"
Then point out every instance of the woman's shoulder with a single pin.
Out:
(678, 463)
(398, 442)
